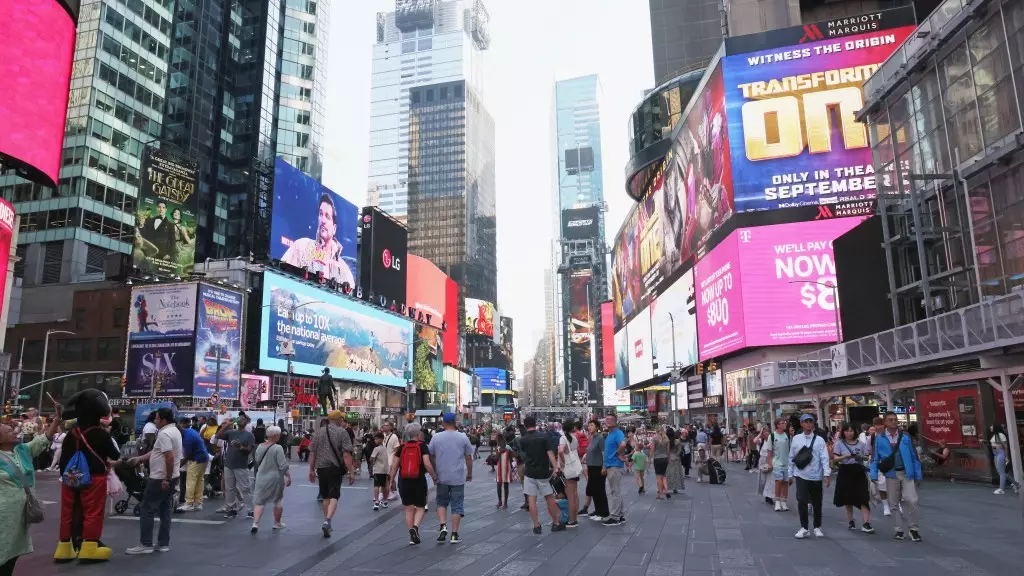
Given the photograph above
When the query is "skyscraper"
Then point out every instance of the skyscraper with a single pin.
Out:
(432, 138)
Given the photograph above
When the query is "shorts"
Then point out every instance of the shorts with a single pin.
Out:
(380, 480)
(413, 492)
(451, 497)
(536, 487)
(330, 482)
(780, 474)
(660, 466)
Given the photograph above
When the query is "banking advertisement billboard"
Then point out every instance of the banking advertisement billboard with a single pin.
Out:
(479, 317)
(674, 326)
(162, 311)
(218, 343)
(607, 339)
(312, 227)
(37, 44)
(160, 367)
(165, 221)
(769, 286)
(358, 342)
(581, 223)
(791, 104)
(425, 291)
(639, 348)
(383, 256)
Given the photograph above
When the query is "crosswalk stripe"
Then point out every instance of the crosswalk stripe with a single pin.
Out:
(173, 520)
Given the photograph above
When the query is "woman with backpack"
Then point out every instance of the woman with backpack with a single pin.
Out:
(411, 467)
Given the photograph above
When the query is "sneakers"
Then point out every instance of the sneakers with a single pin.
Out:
(538, 530)
(249, 515)
(899, 535)
(999, 491)
(455, 538)
(867, 528)
(384, 503)
(255, 528)
(197, 508)
(414, 536)
(802, 533)
(376, 505)
(915, 535)
(818, 533)
(279, 526)
(558, 527)
(852, 526)
(231, 513)
(163, 549)
(572, 524)
(778, 506)
(223, 510)
(326, 528)
(184, 508)
(609, 521)
(442, 535)
(137, 550)
(582, 512)
(785, 507)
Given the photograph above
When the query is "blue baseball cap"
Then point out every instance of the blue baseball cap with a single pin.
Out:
(449, 418)
(806, 417)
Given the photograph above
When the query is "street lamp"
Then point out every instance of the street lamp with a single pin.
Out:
(835, 300)
(46, 349)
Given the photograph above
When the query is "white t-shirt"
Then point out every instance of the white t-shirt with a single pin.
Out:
(168, 439)
(998, 439)
(391, 444)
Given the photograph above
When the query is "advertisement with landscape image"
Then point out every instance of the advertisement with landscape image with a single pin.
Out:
(218, 343)
(427, 371)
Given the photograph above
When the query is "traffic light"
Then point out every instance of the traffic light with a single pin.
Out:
(712, 366)
(700, 369)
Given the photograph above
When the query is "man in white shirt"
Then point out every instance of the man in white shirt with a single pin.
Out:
(163, 474)
(809, 477)
(391, 444)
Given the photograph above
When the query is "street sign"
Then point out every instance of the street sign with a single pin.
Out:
(5, 362)
(287, 396)
(510, 409)
(22, 396)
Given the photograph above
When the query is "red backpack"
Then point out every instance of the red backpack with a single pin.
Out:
(412, 460)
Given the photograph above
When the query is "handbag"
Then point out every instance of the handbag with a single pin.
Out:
(573, 467)
(889, 462)
(33, 508)
(805, 455)
(114, 485)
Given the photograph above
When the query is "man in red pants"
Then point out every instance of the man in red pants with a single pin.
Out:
(95, 443)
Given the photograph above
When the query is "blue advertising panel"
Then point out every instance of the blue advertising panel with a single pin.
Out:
(491, 378)
(355, 340)
(218, 342)
(160, 367)
(312, 227)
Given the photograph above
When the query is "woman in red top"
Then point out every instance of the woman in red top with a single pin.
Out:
(503, 474)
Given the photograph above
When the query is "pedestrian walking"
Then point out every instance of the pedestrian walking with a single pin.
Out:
(779, 466)
(378, 470)
(659, 453)
(850, 455)
(197, 458)
(164, 461)
(686, 453)
(674, 474)
(329, 461)
(594, 491)
(237, 477)
(1000, 455)
(504, 475)
(878, 488)
(391, 445)
(639, 460)
(272, 477)
(571, 467)
(411, 466)
(613, 470)
(452, 459)
(808, 464)
(540, 467)
(894, 458)
(717, 436)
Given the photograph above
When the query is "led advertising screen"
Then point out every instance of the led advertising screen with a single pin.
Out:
(254, 389)
(492, 378)
(382, 261)
(425, 291)
(427, 367)
(640, 350)
(581, 223)
(159, 367)
(608, 339)
(312, 227)
(358, 342)
(162, 311)
(674, 326)
(7, 220)
(580, 330)
(622, 358)
(769, 286)
(218, 343)
(37, 43)
(479, 317)
(452, 341)
(506, 339)
(165, 221)
(791, 103)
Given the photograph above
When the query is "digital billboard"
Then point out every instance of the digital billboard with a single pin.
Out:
(581, 223)
(160, 367)
(769, 286)
(218, 343)
(358, 342)
(492, 378)
(162, 310)
(622, 358)
(425, 290)
(253, 390)
(580, 331)
(165, 221)
(427, 371)
(312, 227)
(7, 222)
(383, 256)
(607, 339)
(506, 339)
(791, 104)
(37, 43)
(479, 317)
(452, 342)
(674, 326)
(639, 349)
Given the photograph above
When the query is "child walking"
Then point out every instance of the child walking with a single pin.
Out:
(639, 459)
(379, 471)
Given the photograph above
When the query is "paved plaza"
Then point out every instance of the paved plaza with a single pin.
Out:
(705, 531)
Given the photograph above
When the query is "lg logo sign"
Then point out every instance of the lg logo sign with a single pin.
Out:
(392, 262)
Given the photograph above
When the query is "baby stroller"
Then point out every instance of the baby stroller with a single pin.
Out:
(214, 477)
(134, 485)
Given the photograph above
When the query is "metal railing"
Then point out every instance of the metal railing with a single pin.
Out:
(978, 328)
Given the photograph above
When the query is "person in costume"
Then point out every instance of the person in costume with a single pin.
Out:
(82, 501)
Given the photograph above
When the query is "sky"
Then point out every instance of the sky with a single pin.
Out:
(533, 44)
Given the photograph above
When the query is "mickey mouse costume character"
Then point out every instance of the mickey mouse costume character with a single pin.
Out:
(82, 500)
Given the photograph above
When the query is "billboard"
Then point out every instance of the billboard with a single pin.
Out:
(674, 326)
(7, 221)
(427, 371)
(356, 341)
(622, 359)
(37, 43)
(253, 389)
(581, 223)
(165, 221)
(382, 258)
(641, 353)
(160, 367)
(492, 378)
(451, 318)
(425, 290)
(218, 343)
(580, 331)
(162, 311)
(506, 339)
(479, 317)
(769, 286)
(612, 396)
(607, 338)
(791, 103)
(312, 227)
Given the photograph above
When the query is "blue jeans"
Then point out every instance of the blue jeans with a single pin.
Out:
(156, 500)
(1001, 468)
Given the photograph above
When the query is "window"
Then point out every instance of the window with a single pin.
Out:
(79, 318)
(119, 316)
(33, 351)
(74, 350)
(108, 348)
(408, 47)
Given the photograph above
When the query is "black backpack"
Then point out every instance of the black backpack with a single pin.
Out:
(716, 474)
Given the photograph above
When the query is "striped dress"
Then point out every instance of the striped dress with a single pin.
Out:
(504, 468)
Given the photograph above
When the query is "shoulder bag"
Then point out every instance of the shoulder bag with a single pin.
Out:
(33, 508)
(338, 455)
(889, 462)
(805, 455)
